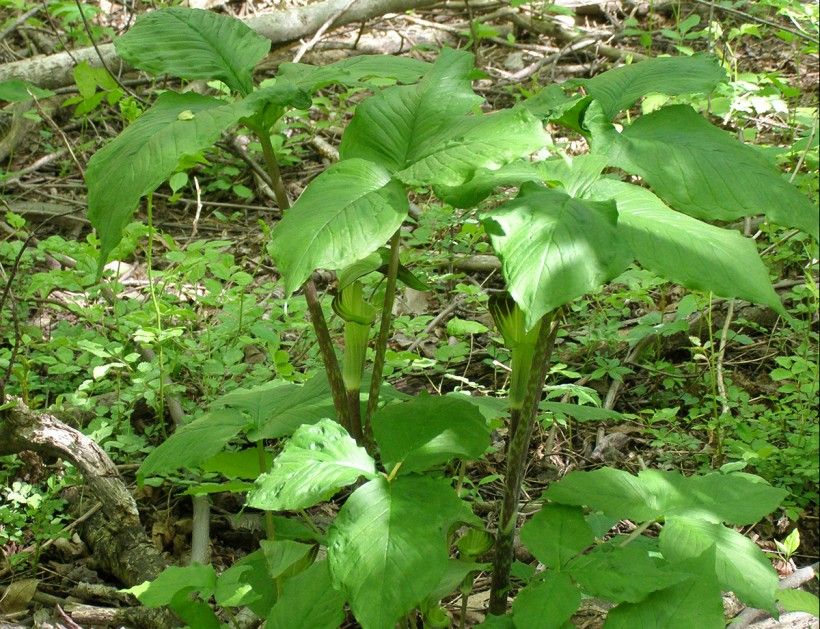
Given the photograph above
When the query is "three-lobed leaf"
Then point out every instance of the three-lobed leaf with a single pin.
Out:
(194, 44)
(315, 463)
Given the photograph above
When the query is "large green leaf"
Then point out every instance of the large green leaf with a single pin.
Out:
(574, 174)
(392, 127)
(308, 600)
(685, 250)
(194, 443)
(353, 71)
(194, 44)
(556, 534)
(735, 498)
(247, 584)
(620, 574)
(316, 462)
(693, 602)
(174, 580)
(481, 141)
(276, 409)
(739, 564)
(428, 431)
(388, 545)
(620, 88)
(344, 215)
(554, 247)
(701, 170)
(138, 160)
(547, 604)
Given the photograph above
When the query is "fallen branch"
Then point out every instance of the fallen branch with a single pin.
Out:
(280, 27)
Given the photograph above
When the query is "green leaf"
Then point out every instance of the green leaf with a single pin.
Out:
(353, 71)
(547, 604)
(619, 88)
(392, 127)
(247, 583)
(315, 463)
(621, 573)
(454, 575)
(388, 545)
(238, 464)
(194, 443)
(193, 612)
(276, 409)
(556, 534)
(308, 600)
(481, 141)
(685, 250)
(574, 174)
(739, 564)
(554, 247)
(465, 327)
(284, 558)
(798, 601)
(146, 153)
(579, 412)
(702, 171)
(429, 430)
(694, 602)
(174, 580)
(194, 44)
(18, 91)
(736, 498)
(344, 215)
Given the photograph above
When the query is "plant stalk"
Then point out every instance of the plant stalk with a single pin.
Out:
(384, 334)
(317, 317)
(516, 462)
(270, 529)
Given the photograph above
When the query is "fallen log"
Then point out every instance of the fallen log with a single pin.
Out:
(280, 27)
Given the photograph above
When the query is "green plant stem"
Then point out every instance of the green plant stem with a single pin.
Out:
(317, 317)
(384, 334)
(636, 533)
(270, 529)
(516, 461)
(354, 413)
(149, 251)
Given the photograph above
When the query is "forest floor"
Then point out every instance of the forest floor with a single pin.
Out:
(642, 347)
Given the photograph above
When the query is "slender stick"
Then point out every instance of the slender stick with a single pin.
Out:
(317, 317)
(516, 461)
(384, 331)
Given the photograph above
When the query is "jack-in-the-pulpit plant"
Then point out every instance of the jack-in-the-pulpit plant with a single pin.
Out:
(403, 539)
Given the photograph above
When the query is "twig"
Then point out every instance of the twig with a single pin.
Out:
(11, 27)
(759, 20)
(195, 224)
(306, 46)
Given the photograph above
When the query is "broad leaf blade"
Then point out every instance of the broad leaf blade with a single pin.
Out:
(556, 534)
(548, 604)
(388, 546)
(554, 248)
(138, 160)
(353, 71)
(485, 141)
(317, 461)
(703, 171)
(685, 250)
(621, 573)
(390, 127)
(194, 443)
(428, 431)
(174, 580)
(276, 409)
(735, 498)
(619, 88)
(694, 602)
(739, 564)
(344, 215)
(194, 44)
(310, 600)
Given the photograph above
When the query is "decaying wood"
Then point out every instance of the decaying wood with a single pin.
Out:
(114, 533)
(280, 27)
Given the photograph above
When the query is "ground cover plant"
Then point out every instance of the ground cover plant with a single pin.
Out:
(406, 535)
